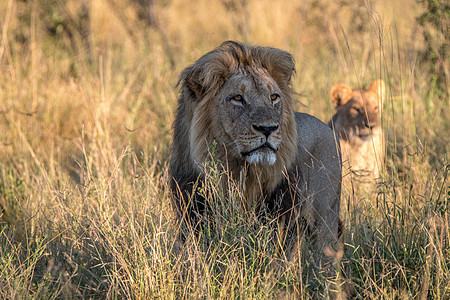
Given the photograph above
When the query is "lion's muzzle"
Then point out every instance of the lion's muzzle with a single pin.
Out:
(264, 154)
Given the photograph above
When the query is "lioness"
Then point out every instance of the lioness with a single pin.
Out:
(357, 122)
(239, 97)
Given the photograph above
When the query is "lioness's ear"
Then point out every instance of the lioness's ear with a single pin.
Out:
(340, 94)
(378, 87)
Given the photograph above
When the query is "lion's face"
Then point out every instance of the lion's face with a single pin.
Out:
(239, 97)
(250, 114)
(357, 111)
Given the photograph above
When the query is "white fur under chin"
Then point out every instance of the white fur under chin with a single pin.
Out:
(261, 158)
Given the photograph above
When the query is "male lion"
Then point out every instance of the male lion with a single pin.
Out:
(357, 122)
(238, 97)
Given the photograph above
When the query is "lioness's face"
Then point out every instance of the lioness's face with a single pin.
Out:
(250, 113)
(357, 111)
(361, 112)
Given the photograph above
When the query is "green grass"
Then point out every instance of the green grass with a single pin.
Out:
(85, 207)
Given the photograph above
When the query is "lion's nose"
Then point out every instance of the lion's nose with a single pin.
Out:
(266, 130)
(369, 123)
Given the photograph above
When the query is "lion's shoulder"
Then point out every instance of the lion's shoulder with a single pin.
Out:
(312, 132)
(316, 142)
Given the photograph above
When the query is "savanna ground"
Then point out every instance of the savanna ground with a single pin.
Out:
(87, 95)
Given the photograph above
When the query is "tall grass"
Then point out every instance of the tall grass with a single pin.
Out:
(85, 129)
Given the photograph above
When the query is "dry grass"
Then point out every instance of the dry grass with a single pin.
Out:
(85, 127)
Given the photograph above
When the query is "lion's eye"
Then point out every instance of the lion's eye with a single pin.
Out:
(355, 108)
(274, 97)
(239, 99)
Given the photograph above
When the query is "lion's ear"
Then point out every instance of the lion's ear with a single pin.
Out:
(340, 94)
(205, 76)
(378, 87)
(279, 63)
(192, 80)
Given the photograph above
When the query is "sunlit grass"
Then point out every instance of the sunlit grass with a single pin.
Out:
(85, 209)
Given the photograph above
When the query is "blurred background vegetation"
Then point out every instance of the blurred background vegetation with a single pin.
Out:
(87, 95)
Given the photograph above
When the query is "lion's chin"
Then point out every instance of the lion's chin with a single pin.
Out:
(262, 156)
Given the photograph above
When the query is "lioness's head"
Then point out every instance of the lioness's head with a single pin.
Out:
(357, 111)
(239, 96)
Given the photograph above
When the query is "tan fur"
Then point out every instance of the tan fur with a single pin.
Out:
(357, 122)
(239, 96)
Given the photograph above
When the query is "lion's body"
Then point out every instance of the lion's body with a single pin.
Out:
(239, 97)
(364, 160)
(357, 122)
